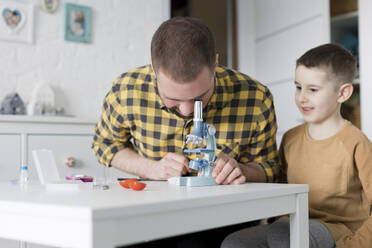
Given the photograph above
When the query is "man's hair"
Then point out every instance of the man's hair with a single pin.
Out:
(181, 47)
(338, 62)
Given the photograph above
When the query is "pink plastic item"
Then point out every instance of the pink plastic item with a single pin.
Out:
(83, 178)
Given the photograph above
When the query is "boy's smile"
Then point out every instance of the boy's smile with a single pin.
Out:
(306, 110)
(316, 95)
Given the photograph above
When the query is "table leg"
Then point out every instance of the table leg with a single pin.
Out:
(299, 223)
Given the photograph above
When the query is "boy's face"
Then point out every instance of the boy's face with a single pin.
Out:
(316, 96)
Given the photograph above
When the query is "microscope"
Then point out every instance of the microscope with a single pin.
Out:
(204, 163)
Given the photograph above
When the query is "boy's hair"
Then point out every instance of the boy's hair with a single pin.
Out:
(181, 46)
(340, 64)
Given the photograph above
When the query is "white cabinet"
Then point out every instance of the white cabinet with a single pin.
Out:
(10, 156)
(279, 32)
(66, 137)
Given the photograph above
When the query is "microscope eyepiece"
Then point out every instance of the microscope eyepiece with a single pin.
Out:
(198, 110)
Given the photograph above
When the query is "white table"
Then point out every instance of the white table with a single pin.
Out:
(88, 218)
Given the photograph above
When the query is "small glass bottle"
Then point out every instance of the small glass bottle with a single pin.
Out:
(23, 181)
(23, 177)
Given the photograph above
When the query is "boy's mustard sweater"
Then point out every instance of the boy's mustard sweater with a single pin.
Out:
(338, 171)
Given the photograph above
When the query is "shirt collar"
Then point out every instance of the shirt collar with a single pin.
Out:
(155, 86)
(222, 94)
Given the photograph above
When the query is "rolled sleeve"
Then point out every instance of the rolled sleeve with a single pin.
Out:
(263, 144)
(111, 132)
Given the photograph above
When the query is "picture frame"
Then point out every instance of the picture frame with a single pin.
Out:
(17, 21)
(50, 6)
(78, 23)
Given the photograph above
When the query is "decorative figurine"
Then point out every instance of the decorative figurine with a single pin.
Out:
(205, 165)
(12, 105)
(42, 100)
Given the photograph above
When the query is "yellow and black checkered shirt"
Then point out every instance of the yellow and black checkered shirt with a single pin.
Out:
(241, 109)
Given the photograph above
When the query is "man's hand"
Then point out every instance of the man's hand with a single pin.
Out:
(172, 165)
(228, 171)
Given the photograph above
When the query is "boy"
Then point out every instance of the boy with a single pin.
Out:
(328, 153)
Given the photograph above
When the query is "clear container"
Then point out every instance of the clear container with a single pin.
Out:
(23, 177)
(23, 181)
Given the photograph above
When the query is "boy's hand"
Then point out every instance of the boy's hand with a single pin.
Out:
(228, 171)
(171, 165)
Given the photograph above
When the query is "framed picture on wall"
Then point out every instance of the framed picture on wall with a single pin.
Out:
(78, 23)
(17, 21)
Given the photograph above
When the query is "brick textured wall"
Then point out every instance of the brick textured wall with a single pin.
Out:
(81, 74)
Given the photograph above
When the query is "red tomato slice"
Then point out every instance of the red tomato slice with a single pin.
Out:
(125, 183)
(135, 185)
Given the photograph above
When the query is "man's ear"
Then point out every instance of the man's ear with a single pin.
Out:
(152, 67)
(215, 64)
(345, 92)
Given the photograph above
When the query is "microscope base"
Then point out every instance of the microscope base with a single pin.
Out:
(198, 181)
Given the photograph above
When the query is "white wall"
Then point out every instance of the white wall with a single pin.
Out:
(365, 61)
(272, 35)
(81, 74)
(246, 26)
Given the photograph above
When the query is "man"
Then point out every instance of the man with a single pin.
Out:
(149, 110)
(153, 106)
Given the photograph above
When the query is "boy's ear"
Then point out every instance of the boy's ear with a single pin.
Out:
(345, 92)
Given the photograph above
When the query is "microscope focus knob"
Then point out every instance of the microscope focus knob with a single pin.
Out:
(211, 130)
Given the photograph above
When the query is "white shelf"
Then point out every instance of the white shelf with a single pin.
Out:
(45, 119)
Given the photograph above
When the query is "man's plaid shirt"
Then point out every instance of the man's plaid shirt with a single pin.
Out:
(241, 109)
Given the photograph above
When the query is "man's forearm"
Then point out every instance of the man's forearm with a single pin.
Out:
(253, 172)
(131, 162)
